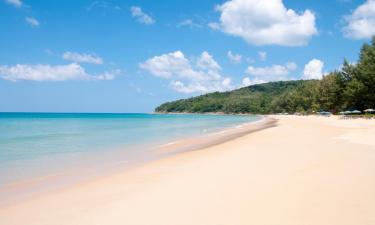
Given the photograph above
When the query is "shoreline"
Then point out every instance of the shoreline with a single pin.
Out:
(26, 189)
(211, 139)
(305, 170)
(209, 113)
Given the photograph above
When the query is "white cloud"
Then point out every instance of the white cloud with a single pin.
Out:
(168, 65)
(291, 66)
(189, 23)
(141, 16)
(249, 60)
(16, 3)
(187, 76)
(180, 86)
(313, 69)
(265, 22)
(207, 62)
(32, 21)
(234, 58)
(274, 70)
(82, 58)
(246, 82)
(262, 55)
(107, 75)
(361, 23)
(271, 73)
(214, 26)
(103, 5)
(226, 82)
(40, 72)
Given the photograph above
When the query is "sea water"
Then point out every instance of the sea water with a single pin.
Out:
(45, 144)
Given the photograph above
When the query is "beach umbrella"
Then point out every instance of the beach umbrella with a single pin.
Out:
(347, 112)
(356, 112)
(369, 111)
(342, 113)
(324, 113)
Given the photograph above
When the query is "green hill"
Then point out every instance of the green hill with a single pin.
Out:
(259, 98)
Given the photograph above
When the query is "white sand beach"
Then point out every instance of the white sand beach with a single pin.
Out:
(304, 171)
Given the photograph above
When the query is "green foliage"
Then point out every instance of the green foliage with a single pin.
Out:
(260, 98)
(353, 87)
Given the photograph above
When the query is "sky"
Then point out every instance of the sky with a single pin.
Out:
(131, 56)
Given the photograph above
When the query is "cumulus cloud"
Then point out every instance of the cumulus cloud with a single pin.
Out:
(208, 63)
(267, 74)
(234, 58)
(266, 22)
(188, 76)
(141, 16)
(168, 65)
(82, 58)
(32, 21)
(41, 72)
(313, 70)
(262, 55)
(361, 23)
(16, 3)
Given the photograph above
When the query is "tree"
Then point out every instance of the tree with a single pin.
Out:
(366, 76)
(329, 93)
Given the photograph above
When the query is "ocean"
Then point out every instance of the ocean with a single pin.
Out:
(37, 145)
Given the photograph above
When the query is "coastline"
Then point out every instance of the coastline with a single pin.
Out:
(305, 170)
(215, 138)
(25, 189)
(205, 113)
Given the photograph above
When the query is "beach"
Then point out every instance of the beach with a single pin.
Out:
(301, 170)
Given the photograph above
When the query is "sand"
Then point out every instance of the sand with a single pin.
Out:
(306, 170)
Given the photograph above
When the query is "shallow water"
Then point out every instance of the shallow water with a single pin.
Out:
(48, 144)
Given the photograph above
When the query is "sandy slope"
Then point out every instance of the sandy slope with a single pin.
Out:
(307, 170)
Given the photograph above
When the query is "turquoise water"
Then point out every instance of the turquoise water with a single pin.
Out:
(35, 144)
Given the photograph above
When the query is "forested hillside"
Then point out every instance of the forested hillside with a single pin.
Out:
(352, 87)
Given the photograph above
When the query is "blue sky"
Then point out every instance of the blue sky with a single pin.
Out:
(130, 56)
